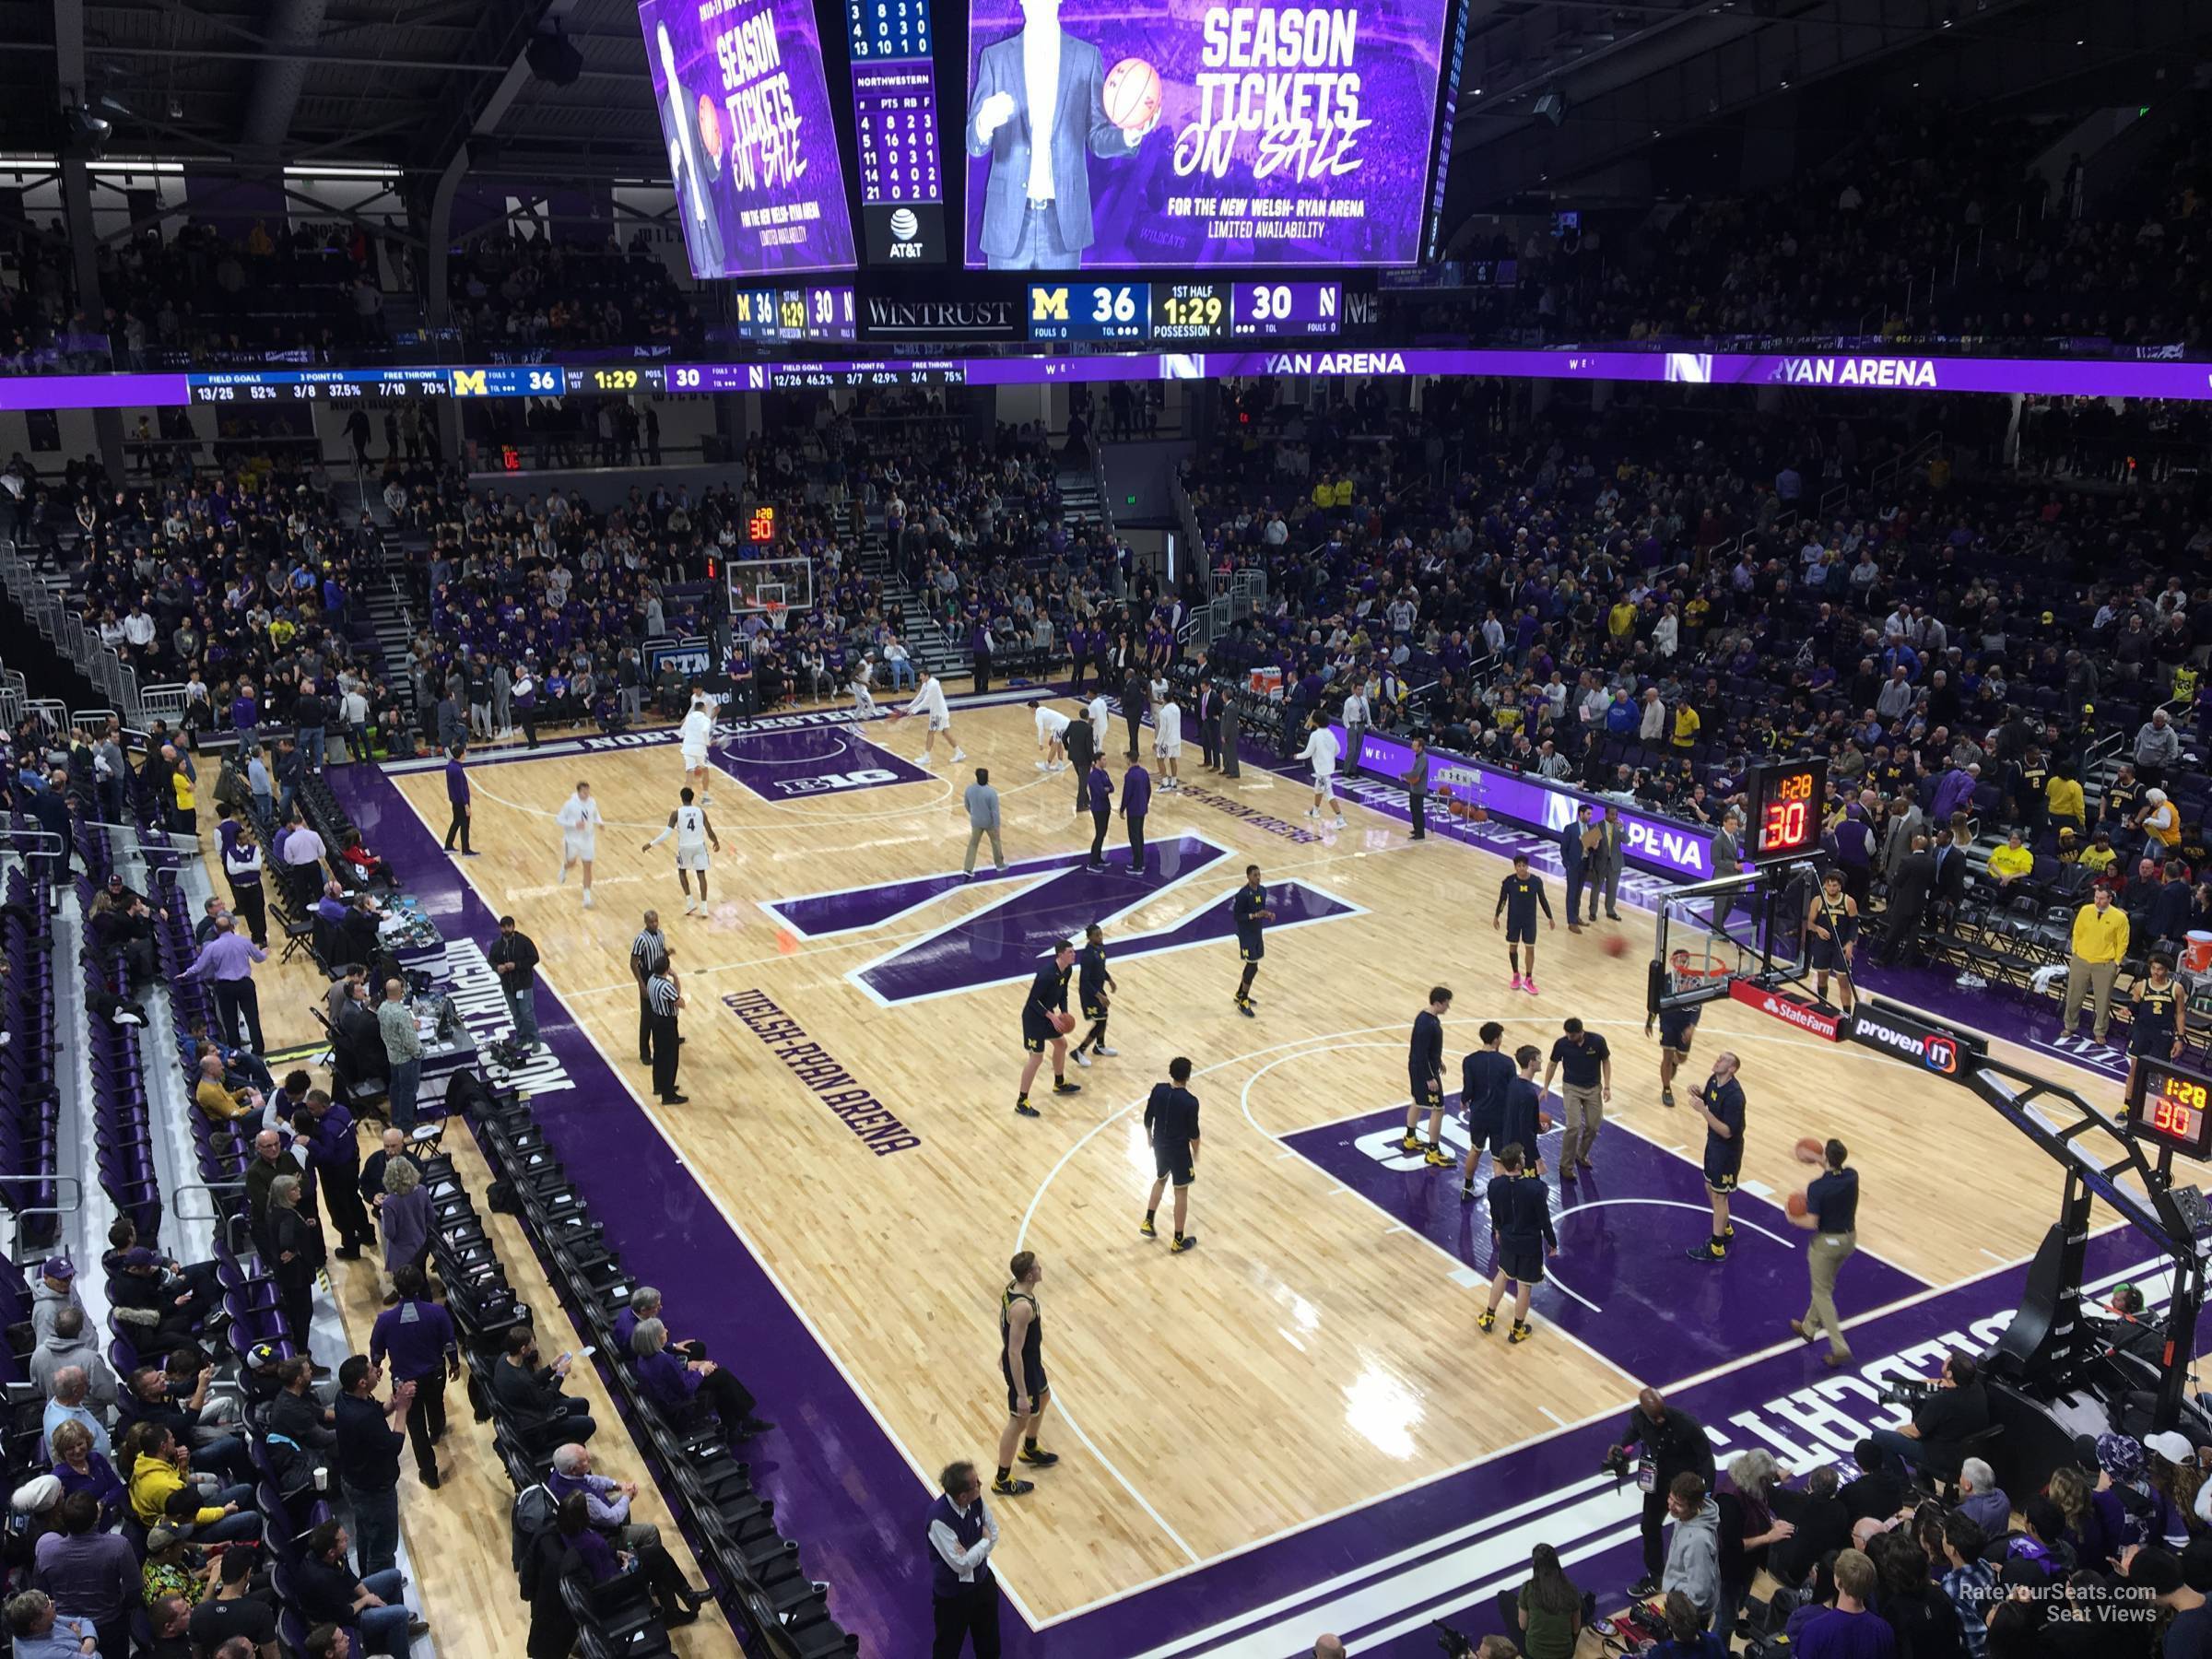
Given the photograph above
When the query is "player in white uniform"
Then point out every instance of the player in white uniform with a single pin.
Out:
(694, 735)
(863, 700)
(1320, 750)
(693, 833)
(929, 700)
(1051, 736)
(579, 822)
(1095, 709)
(1167, 739)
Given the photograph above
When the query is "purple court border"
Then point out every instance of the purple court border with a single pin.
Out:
(846, 1490)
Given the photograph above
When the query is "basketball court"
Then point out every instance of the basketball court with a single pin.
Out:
(1295, 1426)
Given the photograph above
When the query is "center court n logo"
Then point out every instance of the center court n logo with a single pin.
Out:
(1042, 900)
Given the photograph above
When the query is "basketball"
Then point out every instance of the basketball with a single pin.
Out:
(1459, 808)
(1064, 1022)
(1810, 1151)
(1132, 95)
(1616, 944)
(1794, 1204)
(1543, 1122)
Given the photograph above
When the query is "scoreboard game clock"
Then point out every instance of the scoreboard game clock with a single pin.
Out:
(2171, 1107)
(1786, 798)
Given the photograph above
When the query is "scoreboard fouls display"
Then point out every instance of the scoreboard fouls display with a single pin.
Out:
(2171, 1106)
(1785, 799)
(1183, 311)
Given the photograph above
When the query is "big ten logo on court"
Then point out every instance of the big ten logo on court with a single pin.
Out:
(480, 1000)
(834, 782)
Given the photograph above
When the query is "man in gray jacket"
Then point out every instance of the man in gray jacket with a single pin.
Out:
(68, 1346)
(1693, 1554)
(982, 819)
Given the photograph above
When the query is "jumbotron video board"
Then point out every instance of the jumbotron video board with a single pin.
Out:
(1053, 136)
(745, 111)
(1118, 135)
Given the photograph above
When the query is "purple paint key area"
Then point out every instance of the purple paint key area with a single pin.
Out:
(1619, 1282)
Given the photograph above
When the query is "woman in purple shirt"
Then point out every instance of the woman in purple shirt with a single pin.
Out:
(599, 1563)
(81, 1469)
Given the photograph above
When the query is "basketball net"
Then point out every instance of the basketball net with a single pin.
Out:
(773, 609)
(1694, 968)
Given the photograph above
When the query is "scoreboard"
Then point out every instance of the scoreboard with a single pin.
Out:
(895, 133)
(1183, 311)
(792, 313)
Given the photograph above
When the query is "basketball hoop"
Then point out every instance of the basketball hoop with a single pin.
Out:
(1692, 971)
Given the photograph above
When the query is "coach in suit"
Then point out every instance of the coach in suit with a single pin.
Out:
(1038, 101)
(1209, 719)
(1909, 890)
(1136, 697)
(1574, 862)
(1949, 890)
(1605, 865)
(687, 156)
(1081, 742)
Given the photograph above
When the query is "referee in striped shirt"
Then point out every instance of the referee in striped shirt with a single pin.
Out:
(663, 997)
(648, 951)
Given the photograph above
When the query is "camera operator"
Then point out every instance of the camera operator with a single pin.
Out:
(1677, 1444)
(2131, 1330)
(1942, 1422)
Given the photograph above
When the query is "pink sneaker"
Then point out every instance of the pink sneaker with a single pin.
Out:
(1516, 984)
(1529, 984)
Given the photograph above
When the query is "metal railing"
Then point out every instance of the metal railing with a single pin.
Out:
(1888, 471)
(57, 1209)
(49, 613)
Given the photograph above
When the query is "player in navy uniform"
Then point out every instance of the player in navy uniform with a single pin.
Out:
(1485, 1078)
(1678, 1031)
(1520, 1234)
(2155, 1014)
(1721, 1101)
(1525, 1118)
(1094, 987)
(1171, 1126)
(1048, 995)
(1425, 1077)
(1831, 928)
(1022, 1362)
(1252, 914)
(1518, 895)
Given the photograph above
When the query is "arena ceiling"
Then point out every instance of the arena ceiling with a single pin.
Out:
(403, 83)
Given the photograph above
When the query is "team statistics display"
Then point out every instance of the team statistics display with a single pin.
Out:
(1147, 134)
